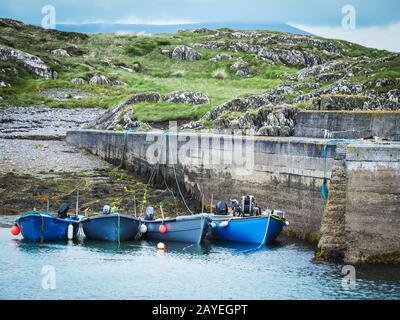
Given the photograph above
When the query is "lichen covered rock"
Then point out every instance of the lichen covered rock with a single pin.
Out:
(185, 53)
(60, 52)
(30, 62)
(100, 81)
(187, 97)
(78, 81)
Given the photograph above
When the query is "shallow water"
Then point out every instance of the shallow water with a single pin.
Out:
(93, 270)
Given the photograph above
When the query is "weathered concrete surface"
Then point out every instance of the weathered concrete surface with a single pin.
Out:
(373, 203)
(285, 173)
(350, 125)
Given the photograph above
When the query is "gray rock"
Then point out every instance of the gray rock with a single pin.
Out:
(144, 97)
(100, 81)
(212, 45)
(185, 53)
(29, 62)
(394, 95)
(122, 116)
(78, 81)
(187, 97)
(245, 73)
(60, 52)
(239, 64)
(166, 52)
(291, 57)
(221, 57)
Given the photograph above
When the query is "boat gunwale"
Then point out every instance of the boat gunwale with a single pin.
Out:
(102, 216)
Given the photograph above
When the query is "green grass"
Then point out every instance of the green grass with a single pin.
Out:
(165, 111)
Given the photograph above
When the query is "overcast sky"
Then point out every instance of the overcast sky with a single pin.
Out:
(377, 22)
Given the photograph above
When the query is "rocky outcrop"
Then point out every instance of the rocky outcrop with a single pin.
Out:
(144, 97)
(122, 115)
(221, 57)
(290, 57)
(60, 52)
(357, 102)
(185, 53)
(212, 45)
(264, 121)
(167, 53)
(78, 81)
(30, 62)
(187, 97)
(100, 81)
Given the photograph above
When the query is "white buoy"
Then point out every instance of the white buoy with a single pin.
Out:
(213, 225)
(70, 232)
(160, 246)
(224, 224)
(143, 229)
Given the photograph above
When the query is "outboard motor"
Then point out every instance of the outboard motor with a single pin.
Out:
(63, 210)
(250, 207)
(149, 214)
(222, 208)
(236, 208)
(106, 210)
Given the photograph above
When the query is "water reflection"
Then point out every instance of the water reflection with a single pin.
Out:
(137, 269)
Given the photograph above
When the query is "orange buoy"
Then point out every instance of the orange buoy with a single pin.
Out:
(15, 230)
(163, 228)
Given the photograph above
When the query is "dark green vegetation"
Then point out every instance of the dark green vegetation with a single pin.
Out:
(138, 61)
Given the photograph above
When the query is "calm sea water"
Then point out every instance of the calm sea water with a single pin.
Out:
(137, 270)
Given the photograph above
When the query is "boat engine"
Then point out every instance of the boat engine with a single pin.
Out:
(222, 208)
(236, 208)
(149, 214)
(63, 211)
(249, 207)
(106, 210)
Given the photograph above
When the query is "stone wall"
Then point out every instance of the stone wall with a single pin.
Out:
(349, 125)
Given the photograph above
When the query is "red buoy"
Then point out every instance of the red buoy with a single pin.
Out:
(163, 228)
(15, 230)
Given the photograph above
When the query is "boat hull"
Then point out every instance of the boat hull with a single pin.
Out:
(43, 226)
(257, 230)
(111, 228)
(191, 229)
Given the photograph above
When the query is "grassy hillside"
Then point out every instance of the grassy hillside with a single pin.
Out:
(112, 54)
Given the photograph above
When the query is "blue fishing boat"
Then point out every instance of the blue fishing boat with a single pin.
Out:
(247, 224)
(190, 229)
(111, 227)
(44, 227)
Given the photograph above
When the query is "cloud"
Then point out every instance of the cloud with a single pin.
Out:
(386, 37)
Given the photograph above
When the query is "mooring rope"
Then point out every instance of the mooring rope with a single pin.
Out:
(166, 133)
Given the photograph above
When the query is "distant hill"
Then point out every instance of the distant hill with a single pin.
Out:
(95, 28)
